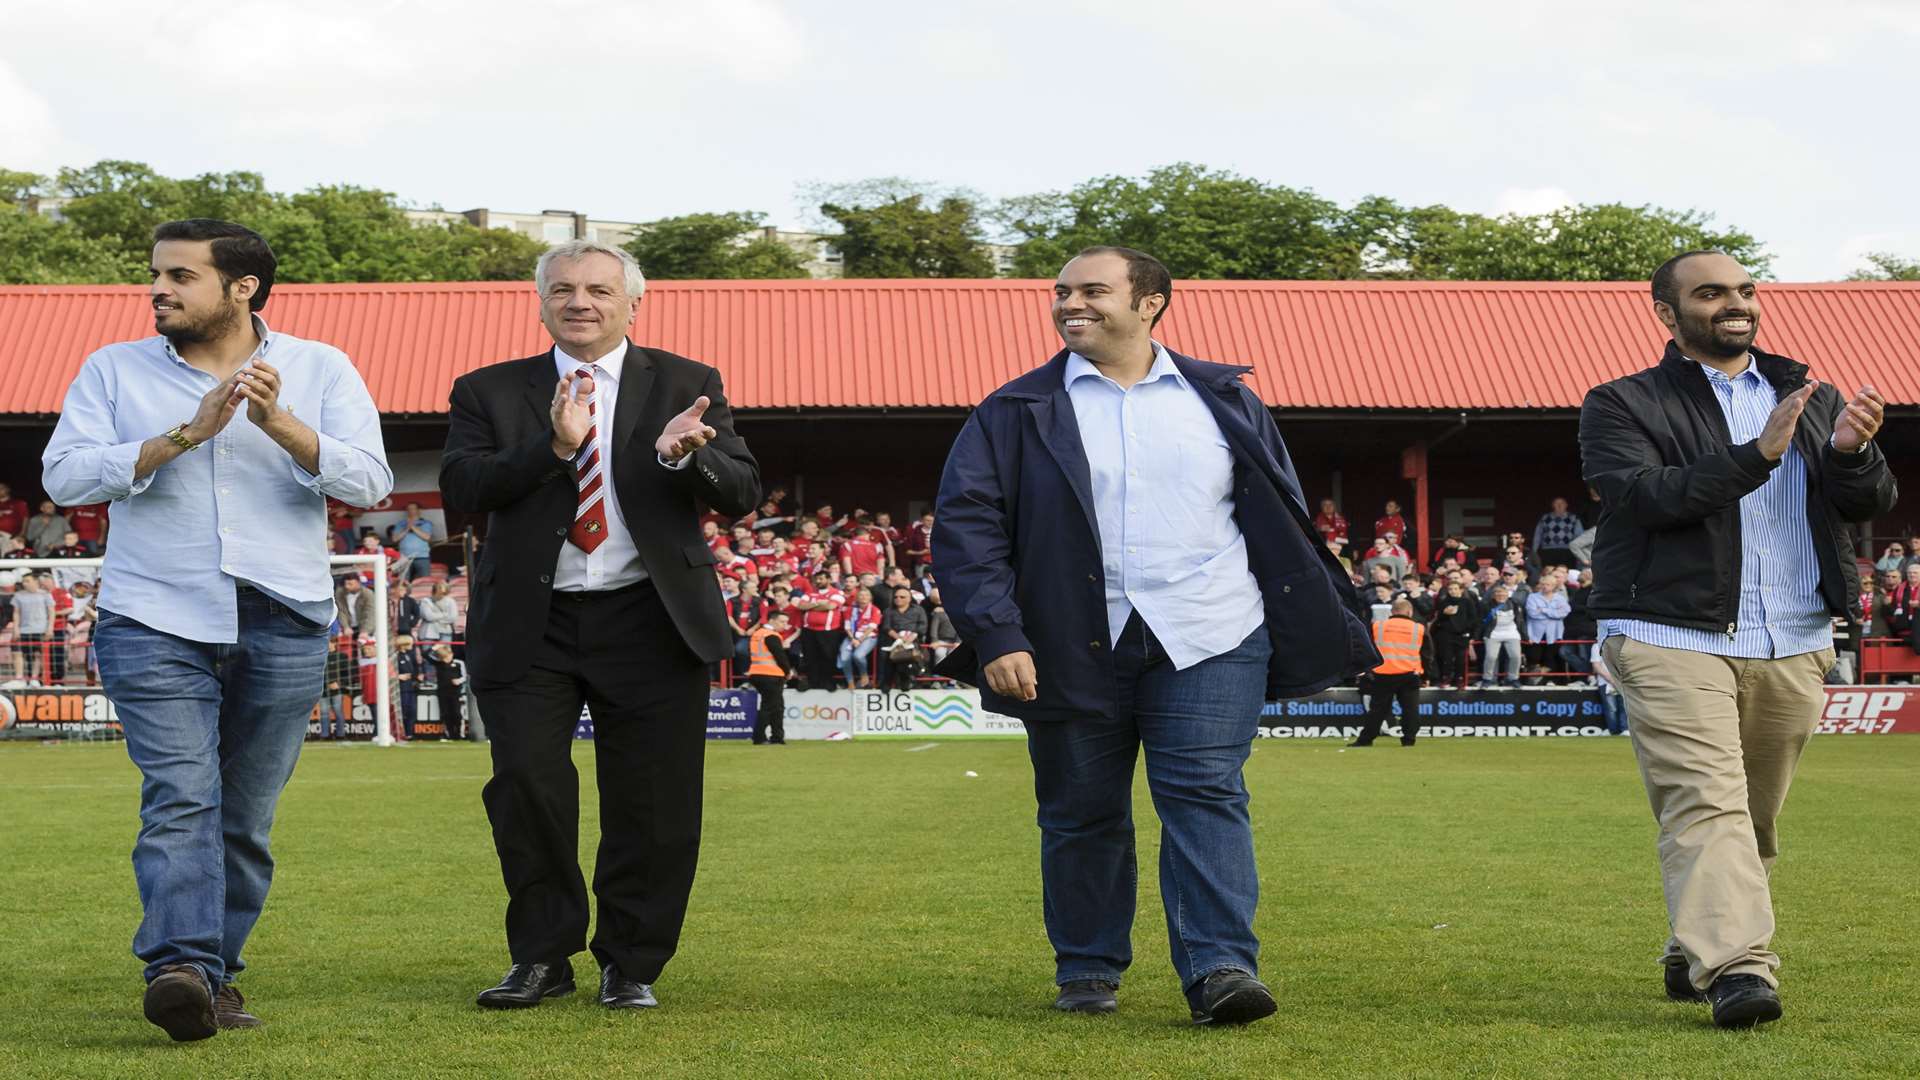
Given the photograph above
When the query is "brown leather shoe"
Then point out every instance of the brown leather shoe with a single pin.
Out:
(179, 1001)
(230, 1010)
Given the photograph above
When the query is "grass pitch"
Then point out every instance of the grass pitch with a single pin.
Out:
(1465, 908)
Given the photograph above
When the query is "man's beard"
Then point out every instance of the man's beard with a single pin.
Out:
(213, 325)
(1704, 335)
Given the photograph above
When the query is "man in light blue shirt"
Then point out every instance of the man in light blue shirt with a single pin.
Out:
(1131, 567)
(215, 597)
(413, 538)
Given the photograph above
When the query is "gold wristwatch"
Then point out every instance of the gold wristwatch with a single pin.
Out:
(179, 438)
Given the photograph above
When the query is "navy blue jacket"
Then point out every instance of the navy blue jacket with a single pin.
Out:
(1016, 548)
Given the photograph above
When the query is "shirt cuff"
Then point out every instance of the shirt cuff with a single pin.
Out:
(676, 466)
(117, 464)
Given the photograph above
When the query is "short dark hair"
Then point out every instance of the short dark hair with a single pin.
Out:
(237, 252)
(1145, 273)
(1663, 277)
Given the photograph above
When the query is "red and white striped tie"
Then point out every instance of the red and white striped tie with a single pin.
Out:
(590, 514)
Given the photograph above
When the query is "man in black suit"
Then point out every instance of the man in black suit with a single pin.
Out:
(594, 587)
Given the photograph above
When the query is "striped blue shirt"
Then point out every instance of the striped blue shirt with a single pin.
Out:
(1781, 610)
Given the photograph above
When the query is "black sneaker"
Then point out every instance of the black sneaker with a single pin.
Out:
(1743, 1001)
(1088, 996)
(1230, 996)
(1679, 986)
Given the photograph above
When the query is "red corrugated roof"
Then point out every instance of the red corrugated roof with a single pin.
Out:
(908, 344)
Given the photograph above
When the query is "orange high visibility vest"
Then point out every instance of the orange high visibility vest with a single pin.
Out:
(760, 659)
(1399, 643)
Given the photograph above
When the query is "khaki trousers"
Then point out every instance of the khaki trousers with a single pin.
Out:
(1718, 739)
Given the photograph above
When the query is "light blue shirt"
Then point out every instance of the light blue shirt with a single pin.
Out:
(236, 509)
(1781, 610)
(1163, 497)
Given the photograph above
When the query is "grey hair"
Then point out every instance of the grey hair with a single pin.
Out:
(574, 249)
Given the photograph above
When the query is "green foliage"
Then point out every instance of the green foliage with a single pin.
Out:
(328, 233)
(1464, 908)
(708, 247)
(1206, 223)
(1886, 266)
(906, 238)
(1202, 223)
(37, 250)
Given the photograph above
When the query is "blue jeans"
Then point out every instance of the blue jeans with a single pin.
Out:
(215, 731)
(853, 658)
(333, 717)
(1616, 710)
(1197, 727)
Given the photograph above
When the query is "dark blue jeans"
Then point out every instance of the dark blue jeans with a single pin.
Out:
(1197, 727)
(215, 731)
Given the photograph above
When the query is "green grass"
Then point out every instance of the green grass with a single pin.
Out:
(1468, 908)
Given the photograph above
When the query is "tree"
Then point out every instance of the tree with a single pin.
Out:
(17, 187)
(38, 250)
(1202, 223)
(905, 239)
(1886, 266)
(1605, 242)
(710, 247)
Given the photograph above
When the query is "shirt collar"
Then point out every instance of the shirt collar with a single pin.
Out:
(1079, 367)
(566, 364)
(1752, 370)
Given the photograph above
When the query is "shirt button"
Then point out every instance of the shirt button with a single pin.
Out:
(1133, 551)
(546, 579)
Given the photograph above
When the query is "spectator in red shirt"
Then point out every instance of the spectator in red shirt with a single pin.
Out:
(710, 532)
(746, 612)
(1452, 552)
(1329, 522)
(1391, 522)
(781, 560)
(824, 518)
(822, 613)
(13, 512)
(370, 545)
(89, 521)
(862, 634)
(883, 524)
(919, 544)
(340, 521)
(862, 553)
(762, 550)
(815, 562)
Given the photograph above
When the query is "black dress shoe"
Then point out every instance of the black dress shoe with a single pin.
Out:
(619, 992)
(1679, 986)
(1230, 996)
(1088, 996)
(180, 1002)
(527, 985)
(1742, 1001)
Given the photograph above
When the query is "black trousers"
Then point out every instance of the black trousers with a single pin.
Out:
(1386, 689)
(619, 654)
(773, 707)
(1449, 659)
(820, 657)
(450, 720)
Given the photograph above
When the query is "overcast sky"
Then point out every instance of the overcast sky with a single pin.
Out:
(1795, 121)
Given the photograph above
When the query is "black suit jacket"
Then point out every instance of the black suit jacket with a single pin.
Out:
(499, 461)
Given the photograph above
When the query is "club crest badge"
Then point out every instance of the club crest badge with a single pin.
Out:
(593, 527)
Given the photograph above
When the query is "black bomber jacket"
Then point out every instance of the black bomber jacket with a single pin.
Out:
(1655, 445)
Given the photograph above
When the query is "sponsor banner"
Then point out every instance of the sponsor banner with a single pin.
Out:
(1556, 712)
(817, 714)
(937, 714)
(730, 715)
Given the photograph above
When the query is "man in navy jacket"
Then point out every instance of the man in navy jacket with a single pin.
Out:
(1123, 546)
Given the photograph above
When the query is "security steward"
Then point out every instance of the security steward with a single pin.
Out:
(767, 667)
(1399, 638)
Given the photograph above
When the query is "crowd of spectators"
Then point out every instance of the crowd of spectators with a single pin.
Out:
(863, 608)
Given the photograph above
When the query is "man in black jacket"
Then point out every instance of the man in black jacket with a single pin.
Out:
(591, 460)
(1727, 480)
